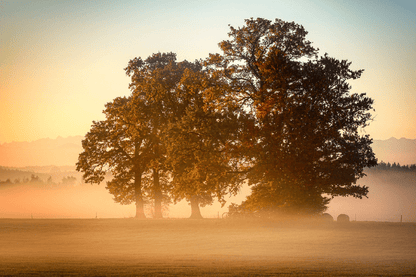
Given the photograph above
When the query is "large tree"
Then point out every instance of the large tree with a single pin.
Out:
(166, 109)
(122, 145)
(200, 144)
(305, 143)
(129, 142)
(157, 82)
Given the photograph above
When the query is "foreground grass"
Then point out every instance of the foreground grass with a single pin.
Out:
(105, 247)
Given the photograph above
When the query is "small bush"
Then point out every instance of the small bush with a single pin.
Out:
(343, 218)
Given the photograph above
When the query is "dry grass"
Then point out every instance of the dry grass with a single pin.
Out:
(105, 247)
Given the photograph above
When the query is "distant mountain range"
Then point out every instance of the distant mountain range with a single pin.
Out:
(392, 150)
(44, 152)
(65, 151)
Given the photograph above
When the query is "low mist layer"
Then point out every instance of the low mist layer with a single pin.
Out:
(391, 198)
(83, 201)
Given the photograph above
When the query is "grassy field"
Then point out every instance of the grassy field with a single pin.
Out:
(209, 247)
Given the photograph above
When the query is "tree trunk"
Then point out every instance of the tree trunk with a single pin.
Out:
(138, 194)
(195, 211)
(158, 194)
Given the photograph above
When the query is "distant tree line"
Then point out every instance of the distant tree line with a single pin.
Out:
(36, 181)
(394, 167)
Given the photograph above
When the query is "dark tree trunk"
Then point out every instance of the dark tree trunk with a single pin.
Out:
(138, 194)
(195, 211)
(158, 194)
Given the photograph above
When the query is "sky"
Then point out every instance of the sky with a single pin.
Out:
(62, 61)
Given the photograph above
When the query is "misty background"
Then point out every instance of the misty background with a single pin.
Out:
(38, 179)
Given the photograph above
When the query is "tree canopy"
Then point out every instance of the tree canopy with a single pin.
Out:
(307, 140)
(121, 144)
(164, 129)
(268, 110)
(199, 145)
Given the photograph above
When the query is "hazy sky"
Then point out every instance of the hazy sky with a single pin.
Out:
(61, 61)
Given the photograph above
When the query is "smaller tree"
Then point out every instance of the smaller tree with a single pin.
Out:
(199, 145)
(156, 82)
(121, 145)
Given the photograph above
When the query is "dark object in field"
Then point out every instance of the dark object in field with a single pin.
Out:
(343, 218)
(327, 217)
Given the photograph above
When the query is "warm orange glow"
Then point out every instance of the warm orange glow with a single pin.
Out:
(61, 63)
(85, 201)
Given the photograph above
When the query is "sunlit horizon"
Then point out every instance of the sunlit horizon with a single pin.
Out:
(61, 62)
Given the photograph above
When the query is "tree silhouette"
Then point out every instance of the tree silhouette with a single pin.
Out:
(120, 144)
(129, 143)
(150, 82)
(162, 130)
(305, 140)
(157, 82)
(199, 144)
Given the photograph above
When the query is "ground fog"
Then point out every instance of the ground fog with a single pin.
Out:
(221, 247)
(391, 198)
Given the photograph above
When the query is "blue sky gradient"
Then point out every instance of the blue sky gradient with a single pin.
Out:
(61, 61)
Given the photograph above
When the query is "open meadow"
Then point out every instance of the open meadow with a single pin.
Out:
(208, 247)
